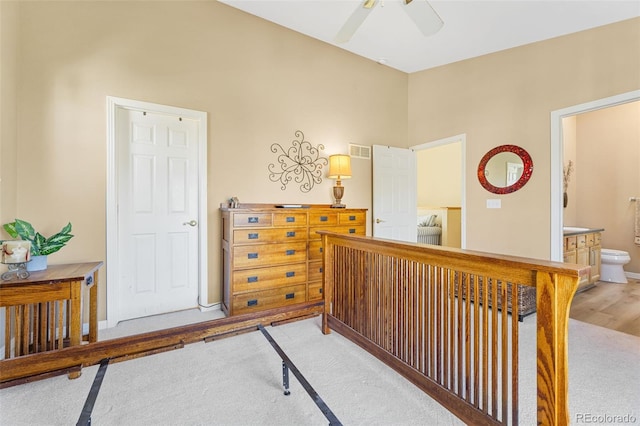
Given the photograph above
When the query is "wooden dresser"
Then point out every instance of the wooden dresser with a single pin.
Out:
(272, 256)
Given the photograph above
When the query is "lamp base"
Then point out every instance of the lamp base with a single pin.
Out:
(338, 206)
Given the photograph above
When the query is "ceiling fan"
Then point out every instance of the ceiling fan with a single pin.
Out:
(420, 12)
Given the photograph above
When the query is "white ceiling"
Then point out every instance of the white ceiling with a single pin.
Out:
(471, 27)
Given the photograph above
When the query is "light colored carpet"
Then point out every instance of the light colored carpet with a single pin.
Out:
(238, 381)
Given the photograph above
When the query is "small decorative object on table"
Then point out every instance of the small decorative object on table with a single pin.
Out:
(16, 254)
(40, 245)
(233, 202)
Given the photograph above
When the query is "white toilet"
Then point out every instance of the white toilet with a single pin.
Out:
(611, 266)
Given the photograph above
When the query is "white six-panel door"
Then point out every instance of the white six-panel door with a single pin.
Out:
(157, 157)
(394, 193)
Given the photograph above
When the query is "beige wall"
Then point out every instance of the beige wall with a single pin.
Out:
(258, 82)
(507, 98)
(607, 173)
(439, 176)
(8, 135)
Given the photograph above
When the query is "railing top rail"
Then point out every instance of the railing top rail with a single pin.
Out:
(513, 268)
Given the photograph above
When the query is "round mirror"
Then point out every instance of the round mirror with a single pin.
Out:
(505, 169)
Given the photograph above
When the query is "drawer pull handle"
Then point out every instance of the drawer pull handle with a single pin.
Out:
(352, 231)
(323, 218)
(252, 302)
(321, 249)
(320, 270)
(253, 236)
(290, 274)
(352, 218)
(252, 255)
(252, 279)
(320, 290)
(290, 296)
(290, 252)
(291, 234)
(291, 219)
(253, 219)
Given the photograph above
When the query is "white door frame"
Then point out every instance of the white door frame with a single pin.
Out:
(113, 103)
(557, 160)
(462, 138)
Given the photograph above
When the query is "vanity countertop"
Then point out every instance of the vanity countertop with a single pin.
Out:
(573, 230)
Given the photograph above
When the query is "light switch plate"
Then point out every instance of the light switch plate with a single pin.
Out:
(494, 203)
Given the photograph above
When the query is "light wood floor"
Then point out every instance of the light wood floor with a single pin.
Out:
(610, 305)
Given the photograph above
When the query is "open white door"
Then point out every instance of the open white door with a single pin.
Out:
(394, 193)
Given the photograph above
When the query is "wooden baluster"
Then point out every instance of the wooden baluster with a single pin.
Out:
(7, 331)
(494, 346)
(24, 329)
(60, 323)
(504, 369)
(514, 353)
(51, 327)
(476, 338)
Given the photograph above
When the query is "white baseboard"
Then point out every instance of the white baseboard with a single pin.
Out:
(214, 307)
(634, 275)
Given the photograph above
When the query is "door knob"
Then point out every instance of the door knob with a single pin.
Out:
(191, 223)
(380, 220)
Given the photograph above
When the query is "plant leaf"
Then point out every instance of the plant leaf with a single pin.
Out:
(66, 229)
(11, 229)
(37, 244)
(51, 248)
(25, 230)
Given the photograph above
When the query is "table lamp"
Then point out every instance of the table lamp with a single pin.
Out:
(339, 168)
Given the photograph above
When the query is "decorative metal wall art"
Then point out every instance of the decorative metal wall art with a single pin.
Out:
(301, 163)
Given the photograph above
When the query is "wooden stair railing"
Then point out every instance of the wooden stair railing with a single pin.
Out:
(436, 316)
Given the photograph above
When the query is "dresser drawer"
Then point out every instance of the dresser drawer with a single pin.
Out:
(315, 271)
(268, 254)
(345, 229)
(290, 219)
(252, 219)
(314, 291)
(355, 218)
(581, 240)
(266, 299)
(315, 250)
(323, 218)
(262, 278)
(269, 235)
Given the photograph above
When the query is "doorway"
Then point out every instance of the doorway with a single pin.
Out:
(454, 193)
(156, 209)
(557, 161)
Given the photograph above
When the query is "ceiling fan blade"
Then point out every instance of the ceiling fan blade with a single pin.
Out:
(424, 16)
(353, 23)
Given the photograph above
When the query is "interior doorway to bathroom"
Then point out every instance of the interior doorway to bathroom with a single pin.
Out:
(598, 189)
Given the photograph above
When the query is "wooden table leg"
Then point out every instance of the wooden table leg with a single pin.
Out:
(93, 309)
(75, 332)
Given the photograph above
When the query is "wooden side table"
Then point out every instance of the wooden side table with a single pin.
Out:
(45, 310)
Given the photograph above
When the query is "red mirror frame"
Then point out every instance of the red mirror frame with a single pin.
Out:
(526, 171)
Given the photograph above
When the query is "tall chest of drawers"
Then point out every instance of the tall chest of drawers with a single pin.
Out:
(272, 256)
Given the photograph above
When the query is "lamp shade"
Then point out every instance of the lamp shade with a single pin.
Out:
(339, 166)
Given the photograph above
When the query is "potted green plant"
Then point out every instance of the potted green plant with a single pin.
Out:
(41, 246)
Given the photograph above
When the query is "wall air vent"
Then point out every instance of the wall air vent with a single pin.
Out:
(360, 151)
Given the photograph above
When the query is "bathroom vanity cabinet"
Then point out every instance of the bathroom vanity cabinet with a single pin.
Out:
(582, 246)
